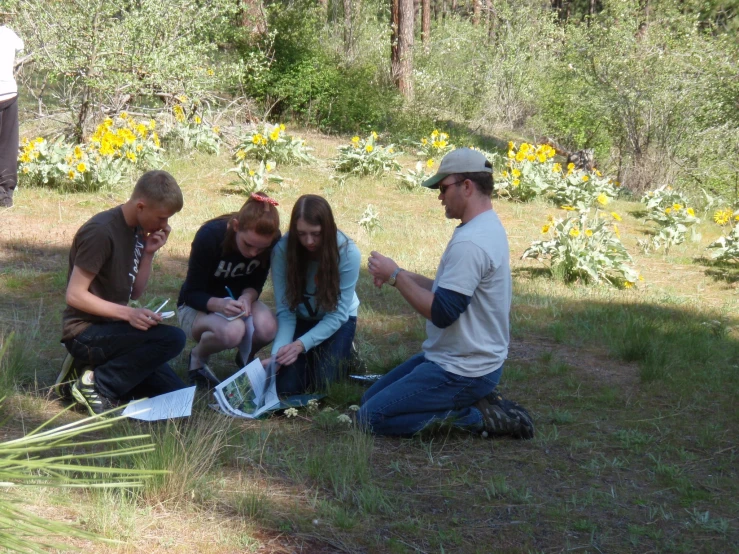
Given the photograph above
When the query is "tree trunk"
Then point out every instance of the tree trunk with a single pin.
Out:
(402, 46)
(475, 12)
(426, 24)
(348, 38)
(253, 16)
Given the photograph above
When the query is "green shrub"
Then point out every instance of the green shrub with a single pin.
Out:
(366, 157)
(585, 247)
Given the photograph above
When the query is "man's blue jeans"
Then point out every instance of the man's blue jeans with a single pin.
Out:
(418, 393)
(326, 363)
(130, 363)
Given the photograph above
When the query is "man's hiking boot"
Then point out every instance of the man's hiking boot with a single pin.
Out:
(86, 394)
(503, 417)
(68, 375)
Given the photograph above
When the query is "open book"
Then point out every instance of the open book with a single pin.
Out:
(249, 392)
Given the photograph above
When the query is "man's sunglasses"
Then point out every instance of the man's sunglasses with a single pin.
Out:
(443, 188)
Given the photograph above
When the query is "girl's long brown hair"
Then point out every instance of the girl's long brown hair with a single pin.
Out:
(258, 216)
(314, 210)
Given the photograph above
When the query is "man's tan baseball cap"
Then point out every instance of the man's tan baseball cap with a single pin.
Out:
(461, 160)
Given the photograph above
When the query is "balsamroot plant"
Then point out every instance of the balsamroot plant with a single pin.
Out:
(585, 247)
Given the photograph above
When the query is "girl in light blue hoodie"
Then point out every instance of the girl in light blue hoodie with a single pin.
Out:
(315, 268)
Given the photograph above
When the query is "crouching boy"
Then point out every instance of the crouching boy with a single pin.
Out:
(126, 349)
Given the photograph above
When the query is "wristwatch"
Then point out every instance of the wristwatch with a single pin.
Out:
(391, 281)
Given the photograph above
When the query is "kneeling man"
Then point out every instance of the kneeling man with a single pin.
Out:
(467, 307)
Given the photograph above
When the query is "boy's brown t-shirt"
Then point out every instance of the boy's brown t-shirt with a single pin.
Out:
(109, 248)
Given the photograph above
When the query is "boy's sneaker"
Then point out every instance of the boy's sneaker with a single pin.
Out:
(68, 375)
(203, 378)
(503, 417)
(87, 395)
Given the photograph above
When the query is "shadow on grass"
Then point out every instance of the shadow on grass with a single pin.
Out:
(531, 272)
(727, 272)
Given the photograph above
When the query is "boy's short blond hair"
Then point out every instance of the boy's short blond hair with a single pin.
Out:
(161, 188)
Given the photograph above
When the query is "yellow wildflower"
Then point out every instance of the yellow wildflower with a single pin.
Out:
(677, 207)
(355, 139)
(78, 152)
(155, 138)
(282, 127)
(568, 208)
(516, 173)
(545, 228)
(615, 216)
(25, 169)
(602, 199)
(256, 139)
(570, 166)
(210, 72)
(511, 154)
(240, 154)
(516, 182)
(369, 148)
(504, 174)
(589, 232)
(690, 212)
(71, 174)
(434, 133)
(131, 156)
(139, 147)
(511, 145)
(81, 167)
(574, 232)
(374, 135)
(520, 156)
(615, 231)
(152, 125)
(598, 173)
(541, 157)
(531, 157)
(525, 146)
(198, 121)
(251, 173)
(270, 166)
(723, 216)
(668, 211)
(216, 129)
(556, 168)
(435, 144)
(585, 178)
(124, 115)
(442, 144)
(274, 135)
(430, 162)
(264, 140)
(424, 141)
(628, 284)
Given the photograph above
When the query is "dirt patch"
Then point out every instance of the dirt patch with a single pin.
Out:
(592, 362)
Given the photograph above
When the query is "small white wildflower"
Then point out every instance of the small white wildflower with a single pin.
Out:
(312, 402)
(291, 412)
(328, 409)
(343, 418)
(354, 408)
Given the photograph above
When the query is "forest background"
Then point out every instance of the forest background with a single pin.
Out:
(651, 86)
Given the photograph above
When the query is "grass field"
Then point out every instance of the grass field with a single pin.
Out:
(634, 394)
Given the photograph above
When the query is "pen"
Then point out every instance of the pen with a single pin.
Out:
(162, 306)
(228, 290)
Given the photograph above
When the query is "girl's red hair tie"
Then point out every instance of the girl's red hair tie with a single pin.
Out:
(267, 199)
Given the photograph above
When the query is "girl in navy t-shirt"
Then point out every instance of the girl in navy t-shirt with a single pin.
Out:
(229, 263)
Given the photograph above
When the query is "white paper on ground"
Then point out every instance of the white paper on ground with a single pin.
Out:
(165, 406)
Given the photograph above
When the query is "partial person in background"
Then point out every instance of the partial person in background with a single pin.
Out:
(229, 263)
(10, 43)
(315, 268)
